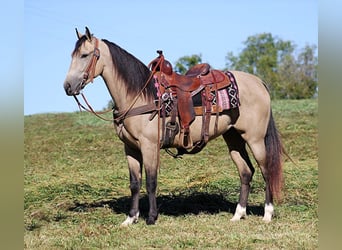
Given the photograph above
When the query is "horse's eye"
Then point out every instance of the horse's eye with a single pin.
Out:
(84, 55)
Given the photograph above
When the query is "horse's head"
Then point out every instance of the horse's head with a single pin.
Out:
(85, 64)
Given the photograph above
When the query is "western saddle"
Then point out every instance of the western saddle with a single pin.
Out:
(175, 94)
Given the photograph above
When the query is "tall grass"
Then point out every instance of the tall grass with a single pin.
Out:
(77, 190)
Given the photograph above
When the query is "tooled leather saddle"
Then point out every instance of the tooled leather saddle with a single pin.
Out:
(176, 94)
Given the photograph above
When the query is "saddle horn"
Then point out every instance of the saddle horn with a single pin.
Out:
(160, 64)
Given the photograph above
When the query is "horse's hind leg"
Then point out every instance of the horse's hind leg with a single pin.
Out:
(134, 159)
(237, 149)
(259, 151)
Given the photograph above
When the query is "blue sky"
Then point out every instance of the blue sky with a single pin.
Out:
(179, 28)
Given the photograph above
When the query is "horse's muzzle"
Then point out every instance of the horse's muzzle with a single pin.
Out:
(68, 89)
(72, 90)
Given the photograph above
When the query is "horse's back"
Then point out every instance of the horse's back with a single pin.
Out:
(251, 86)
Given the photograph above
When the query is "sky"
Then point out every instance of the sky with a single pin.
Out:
(179, 28)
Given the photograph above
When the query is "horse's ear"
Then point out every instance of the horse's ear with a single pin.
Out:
(88, 34)
(79, 35)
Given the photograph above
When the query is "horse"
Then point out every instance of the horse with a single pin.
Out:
(131, 86)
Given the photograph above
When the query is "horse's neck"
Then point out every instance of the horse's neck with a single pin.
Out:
(118, 90)
(116, 85)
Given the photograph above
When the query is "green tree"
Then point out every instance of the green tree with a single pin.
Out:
(273, 60)
(298, 76)
(308, 66)
(184, 63)
(288, 78)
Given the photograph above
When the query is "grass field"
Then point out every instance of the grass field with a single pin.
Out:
(77, 190)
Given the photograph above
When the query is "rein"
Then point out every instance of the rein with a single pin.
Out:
(91, 110)
(90, 73)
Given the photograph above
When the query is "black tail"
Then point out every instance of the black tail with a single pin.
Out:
(274, 164)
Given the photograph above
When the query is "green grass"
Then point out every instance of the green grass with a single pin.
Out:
(77, 190)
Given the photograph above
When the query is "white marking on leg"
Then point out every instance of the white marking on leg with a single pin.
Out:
(268, 212)
(240, 212)
(130, 220)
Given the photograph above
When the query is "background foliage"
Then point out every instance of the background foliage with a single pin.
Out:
(289, 73)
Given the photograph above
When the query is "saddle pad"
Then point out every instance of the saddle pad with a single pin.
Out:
(227, 98)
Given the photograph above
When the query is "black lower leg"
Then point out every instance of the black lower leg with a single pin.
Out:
(268, 194)
(151, 186)
(135, 190)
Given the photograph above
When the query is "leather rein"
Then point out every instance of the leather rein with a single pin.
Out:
(120, 116)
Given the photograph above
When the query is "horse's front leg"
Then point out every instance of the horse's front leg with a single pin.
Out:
(134, 159)
(150, 153)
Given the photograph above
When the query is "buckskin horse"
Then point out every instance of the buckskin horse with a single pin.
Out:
(134, 92)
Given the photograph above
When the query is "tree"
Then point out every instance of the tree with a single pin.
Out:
(274, 61)
(298, 75)
(186, 62)
(261, 55)
(308, 69)
(288, 78)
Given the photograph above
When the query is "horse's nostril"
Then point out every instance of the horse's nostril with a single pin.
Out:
(67, 88)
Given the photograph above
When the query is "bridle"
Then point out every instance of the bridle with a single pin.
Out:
(90, 70)
(90, 74)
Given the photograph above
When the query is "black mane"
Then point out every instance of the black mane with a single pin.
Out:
(131, 70)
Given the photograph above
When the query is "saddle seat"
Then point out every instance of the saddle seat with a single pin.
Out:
(198, 70)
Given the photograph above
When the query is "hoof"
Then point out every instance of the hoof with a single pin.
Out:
(267, 220)
(269, 210)
(240, 213)
(235, 219)
(130, 220)
(151, 221)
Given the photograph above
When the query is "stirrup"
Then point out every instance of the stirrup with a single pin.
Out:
(185, 139)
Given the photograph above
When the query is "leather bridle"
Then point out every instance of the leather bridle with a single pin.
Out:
(90, 70)
(89, 73)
